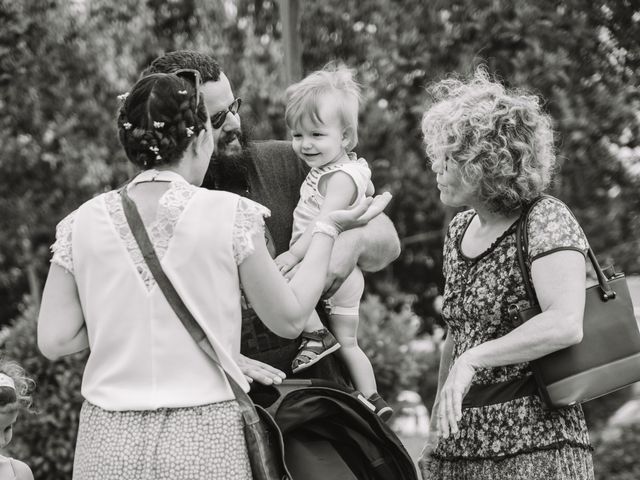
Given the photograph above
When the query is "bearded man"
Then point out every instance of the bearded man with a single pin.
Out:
(270, 173)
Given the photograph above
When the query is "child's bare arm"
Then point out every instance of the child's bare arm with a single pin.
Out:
(339, 194)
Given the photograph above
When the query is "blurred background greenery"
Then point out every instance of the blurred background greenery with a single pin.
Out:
(63, 63)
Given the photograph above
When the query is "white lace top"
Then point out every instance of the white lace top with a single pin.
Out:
(141, 356)
(249, 218)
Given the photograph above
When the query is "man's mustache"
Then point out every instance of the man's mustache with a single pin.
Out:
(228, 137)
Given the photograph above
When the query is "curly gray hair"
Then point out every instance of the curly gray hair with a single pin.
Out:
(501, 140)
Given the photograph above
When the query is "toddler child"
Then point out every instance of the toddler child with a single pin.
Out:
(14, 388)
(322, 114)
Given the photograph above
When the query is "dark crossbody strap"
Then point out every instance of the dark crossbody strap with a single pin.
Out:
(193, 327)
(522, 251)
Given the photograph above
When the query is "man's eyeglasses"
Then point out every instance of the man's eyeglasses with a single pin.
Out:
(193, 77)
(218, 118)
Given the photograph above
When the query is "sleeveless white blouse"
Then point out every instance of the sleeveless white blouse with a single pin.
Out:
(142, 358)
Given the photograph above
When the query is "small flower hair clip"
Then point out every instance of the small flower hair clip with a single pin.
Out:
(190, 131)
(126, 126)
(158, 124)
(182, 92)
(123, 96)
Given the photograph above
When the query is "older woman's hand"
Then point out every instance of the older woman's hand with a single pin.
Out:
(453, 391)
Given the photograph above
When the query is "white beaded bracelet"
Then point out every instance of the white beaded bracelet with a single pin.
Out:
(327, 229)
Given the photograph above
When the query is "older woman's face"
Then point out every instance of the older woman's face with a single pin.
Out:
(453, 191)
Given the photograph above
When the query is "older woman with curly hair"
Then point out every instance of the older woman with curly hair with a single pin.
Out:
(492, 151)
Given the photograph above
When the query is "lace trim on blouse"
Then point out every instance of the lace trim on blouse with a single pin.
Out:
(249, 220)
(61, 248)
(171, 205)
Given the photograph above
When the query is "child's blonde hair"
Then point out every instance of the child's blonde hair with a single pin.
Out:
(304, 99)
(18, 398)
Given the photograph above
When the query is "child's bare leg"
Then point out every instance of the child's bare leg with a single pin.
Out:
(345, 328)
(313, 323)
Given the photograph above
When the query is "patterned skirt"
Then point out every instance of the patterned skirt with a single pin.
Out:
(565, 463)
(204, 442)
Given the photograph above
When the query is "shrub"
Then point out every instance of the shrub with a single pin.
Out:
(45, 439)
(616, 456)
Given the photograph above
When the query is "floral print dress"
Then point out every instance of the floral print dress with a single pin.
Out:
(518, 439)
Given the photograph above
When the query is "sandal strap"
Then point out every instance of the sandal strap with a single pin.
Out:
(313, 349)
(316, 335)
(321, 335)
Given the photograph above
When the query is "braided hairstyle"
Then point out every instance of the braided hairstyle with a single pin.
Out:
(159, 119)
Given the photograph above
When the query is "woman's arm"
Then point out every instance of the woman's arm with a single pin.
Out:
(446, 355)
(559, 281)
(285, 307)
(61, 327)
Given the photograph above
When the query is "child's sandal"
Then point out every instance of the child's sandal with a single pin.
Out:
(381, 408)
(310, 354)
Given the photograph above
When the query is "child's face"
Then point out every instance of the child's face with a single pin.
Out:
(319, 144)
(6, 427)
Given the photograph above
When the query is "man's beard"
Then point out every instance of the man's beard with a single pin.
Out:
(228, 168)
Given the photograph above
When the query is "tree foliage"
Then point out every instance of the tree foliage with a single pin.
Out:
(581, 57)
(62, 65)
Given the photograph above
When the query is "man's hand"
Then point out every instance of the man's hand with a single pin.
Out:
(286, 261)
(258, 371)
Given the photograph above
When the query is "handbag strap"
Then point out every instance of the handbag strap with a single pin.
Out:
(522, 251)
(177, 304)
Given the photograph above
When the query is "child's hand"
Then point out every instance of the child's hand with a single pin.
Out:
(286, 261)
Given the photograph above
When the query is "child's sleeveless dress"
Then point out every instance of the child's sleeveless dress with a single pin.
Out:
(346, 300)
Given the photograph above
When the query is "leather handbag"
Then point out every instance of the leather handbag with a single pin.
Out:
(265, 445)
(607, 358)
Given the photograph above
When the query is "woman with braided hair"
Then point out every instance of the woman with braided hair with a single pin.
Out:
(155, 406)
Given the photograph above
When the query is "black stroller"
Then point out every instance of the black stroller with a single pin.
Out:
(330, 433)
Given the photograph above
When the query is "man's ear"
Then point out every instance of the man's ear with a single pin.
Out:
(200, 140)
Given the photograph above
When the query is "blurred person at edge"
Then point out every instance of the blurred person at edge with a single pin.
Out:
(492, 151)
(270, 173)
(15, 397)
(156, 406)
